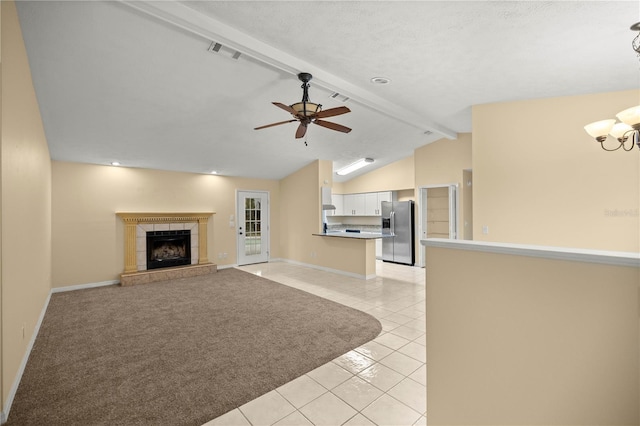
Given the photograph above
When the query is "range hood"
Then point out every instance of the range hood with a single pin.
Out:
(326, 199)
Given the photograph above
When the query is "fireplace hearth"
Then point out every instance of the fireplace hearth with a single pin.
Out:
(166, 249)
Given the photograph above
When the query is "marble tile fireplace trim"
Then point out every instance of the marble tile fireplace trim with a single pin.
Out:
(136, 273)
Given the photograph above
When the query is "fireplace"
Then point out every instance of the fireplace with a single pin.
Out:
(166, 249)
(136, 227)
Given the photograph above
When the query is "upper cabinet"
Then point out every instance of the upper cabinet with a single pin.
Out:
(353, 205)
(371, 204)
(367, 204)
(338, 201)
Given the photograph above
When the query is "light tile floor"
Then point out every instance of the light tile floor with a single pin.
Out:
(382, 382)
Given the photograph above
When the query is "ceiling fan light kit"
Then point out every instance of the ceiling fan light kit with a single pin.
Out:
(307, 112)
(307, 109)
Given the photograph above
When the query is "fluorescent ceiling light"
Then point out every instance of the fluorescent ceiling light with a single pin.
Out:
(354, 166)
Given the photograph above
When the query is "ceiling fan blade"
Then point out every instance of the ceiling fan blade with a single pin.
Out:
(273, 124)
(333, 112)
(302, 129)
(286, 108)
(332, 126)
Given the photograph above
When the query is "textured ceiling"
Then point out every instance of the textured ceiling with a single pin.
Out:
(134, 82)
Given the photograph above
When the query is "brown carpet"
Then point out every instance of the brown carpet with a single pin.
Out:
(177, 353)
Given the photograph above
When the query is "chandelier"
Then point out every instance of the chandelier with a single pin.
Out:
(636, 41)
(627, 130)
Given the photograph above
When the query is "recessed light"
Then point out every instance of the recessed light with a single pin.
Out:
(380, 80)
(214, 172)
(115, 163)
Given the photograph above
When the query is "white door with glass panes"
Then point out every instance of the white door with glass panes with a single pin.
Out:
(253, 227)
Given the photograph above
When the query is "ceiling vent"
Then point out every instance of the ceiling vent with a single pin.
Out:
(337, 96)
(216, 47)
(428, 132)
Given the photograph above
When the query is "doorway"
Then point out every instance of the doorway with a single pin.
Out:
(253, 227)
(438, 213)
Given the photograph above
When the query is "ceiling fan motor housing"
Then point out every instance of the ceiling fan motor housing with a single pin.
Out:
(305, 77)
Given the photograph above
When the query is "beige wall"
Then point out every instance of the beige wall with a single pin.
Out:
(300, 218)
(392, 177)
(300, 213)
(540, 179)
(26, 203)
(443, 162)
(517, 340)
(88, 238)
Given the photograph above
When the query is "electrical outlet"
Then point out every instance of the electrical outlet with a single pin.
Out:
(485, 229)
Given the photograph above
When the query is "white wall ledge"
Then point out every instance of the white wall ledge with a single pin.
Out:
(618, 258)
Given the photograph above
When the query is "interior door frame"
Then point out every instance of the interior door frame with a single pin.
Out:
(454, 204)
(240, 220)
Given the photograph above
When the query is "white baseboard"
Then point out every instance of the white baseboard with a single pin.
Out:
(84, 286)
(23, 364)
(233, 265)
(4, 414)
(335, 271)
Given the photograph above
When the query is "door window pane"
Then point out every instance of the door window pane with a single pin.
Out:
(253, 237)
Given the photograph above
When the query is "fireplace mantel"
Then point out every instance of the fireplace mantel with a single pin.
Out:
(164, 217)
(131, 220)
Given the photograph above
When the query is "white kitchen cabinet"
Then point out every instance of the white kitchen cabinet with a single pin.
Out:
(354, 205)
(348, 205)
(371, 204)
(373, 200)
(338, 201)
(366, 204)
(385, 196)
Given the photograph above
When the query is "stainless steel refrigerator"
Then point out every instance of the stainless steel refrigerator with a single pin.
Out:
(397, 221)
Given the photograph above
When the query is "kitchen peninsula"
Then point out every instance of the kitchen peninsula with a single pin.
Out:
(350, 253)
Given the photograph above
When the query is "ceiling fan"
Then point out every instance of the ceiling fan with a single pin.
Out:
(308, 112)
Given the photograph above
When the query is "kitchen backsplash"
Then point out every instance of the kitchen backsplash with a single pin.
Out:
(362, 228)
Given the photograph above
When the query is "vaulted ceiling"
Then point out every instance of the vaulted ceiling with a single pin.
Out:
(137, 82)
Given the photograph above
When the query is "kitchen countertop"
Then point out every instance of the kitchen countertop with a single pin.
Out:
(356, 235)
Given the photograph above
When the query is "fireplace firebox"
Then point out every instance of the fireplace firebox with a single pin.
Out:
(166, 249)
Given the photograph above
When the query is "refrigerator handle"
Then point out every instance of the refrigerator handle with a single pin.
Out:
(393, 223)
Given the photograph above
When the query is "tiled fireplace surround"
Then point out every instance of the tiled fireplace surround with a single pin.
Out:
(136, 226)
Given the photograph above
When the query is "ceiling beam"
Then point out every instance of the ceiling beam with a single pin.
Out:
(212, 29)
